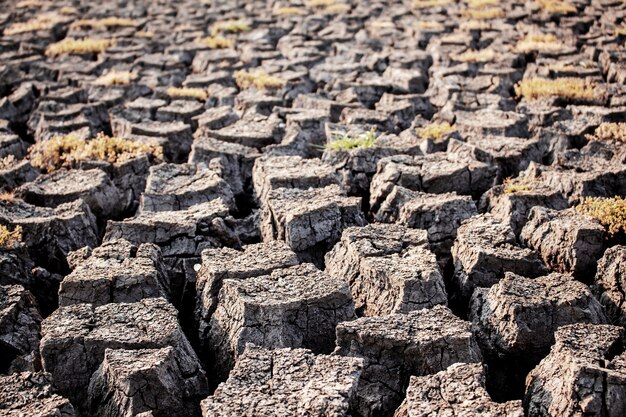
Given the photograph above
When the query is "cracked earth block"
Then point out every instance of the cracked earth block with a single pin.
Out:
(273, 172)
(397, 346)
(52, 233)
(177, 187)
(20, 323)
(434, 173)
(285, 383)
(584, 374)
(306, 218)
(518, 315)
(93, 186)
(130, 382)
(31, 394)
(74, 339)
(389, 267)
(298, 306)
(484, 250)
(458, 390)
(225, 263)
(610, 282)
(513, 208)
(182, 235)
(566, 240)
(115, 272)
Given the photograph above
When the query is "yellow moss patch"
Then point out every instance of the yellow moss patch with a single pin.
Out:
(106, 22)
(197, 93)
(320, 3)
(115, 77)
(259, 79)
(474, 25)
(144, 34)
(610, 212)
(289, 11)
(67, 151)
(430, 25)
(337, 8)
(10, 239)
(79, 46)
(216, 42)
(43, 22)
(231, 26)
(611, 131)
(576, 88)
(539, 43)
(68, 10)
(620, 31)
(479, 4)
(485, 14)
(517, 185)
(364, 140)
(557, 6)
(424, 4)
(435, 131)
(483, 55)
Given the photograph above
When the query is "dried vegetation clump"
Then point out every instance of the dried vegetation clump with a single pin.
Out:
(610, 131)
(540, 43)
(215, 42)
(7, 162)
(483, 55)
(197, 93)
(347, 141)
(42, 22)
(258, 79)
(423, 4)
(289, 11)
(10, 239)
(230, 26)
(574, 88)
(610, 212)
(107, 22)
(115, 77)
(435, 131)
(485, 14)
(517, 185)
(79, 46)
(557, 6)
(67, 151)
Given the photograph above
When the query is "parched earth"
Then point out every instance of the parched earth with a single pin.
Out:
(328, 208)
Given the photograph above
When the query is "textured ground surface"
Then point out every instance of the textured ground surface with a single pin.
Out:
(318, 208)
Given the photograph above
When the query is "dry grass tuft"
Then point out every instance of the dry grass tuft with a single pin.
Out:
(68, 10)
(7, 196)
(104, 23)
(610, 212)
(197, 93)
(610, 131)
(43, 22)
(259, 79)
(289, 11)
(485, 14)
(539, 43)
(230, 26)
(574, 88)
(363, 140)
(79, 46)
(337, 8)
(320, 3)
(424, 4)
(10, 239)
(216, 42)
(479, 4)
(430, 25)
(67, 151)
(28, 3)
(620, 31)
(144, 34)
(517, 185)
(435, 131)
(115, 77)
(557, 6)
(483, 55)
(474, 25)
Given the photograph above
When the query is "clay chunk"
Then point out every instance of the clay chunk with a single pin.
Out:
(285, 383)
(20, 324)
(397, 346)
(390, 269)
(610, 283)
(31, 394)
